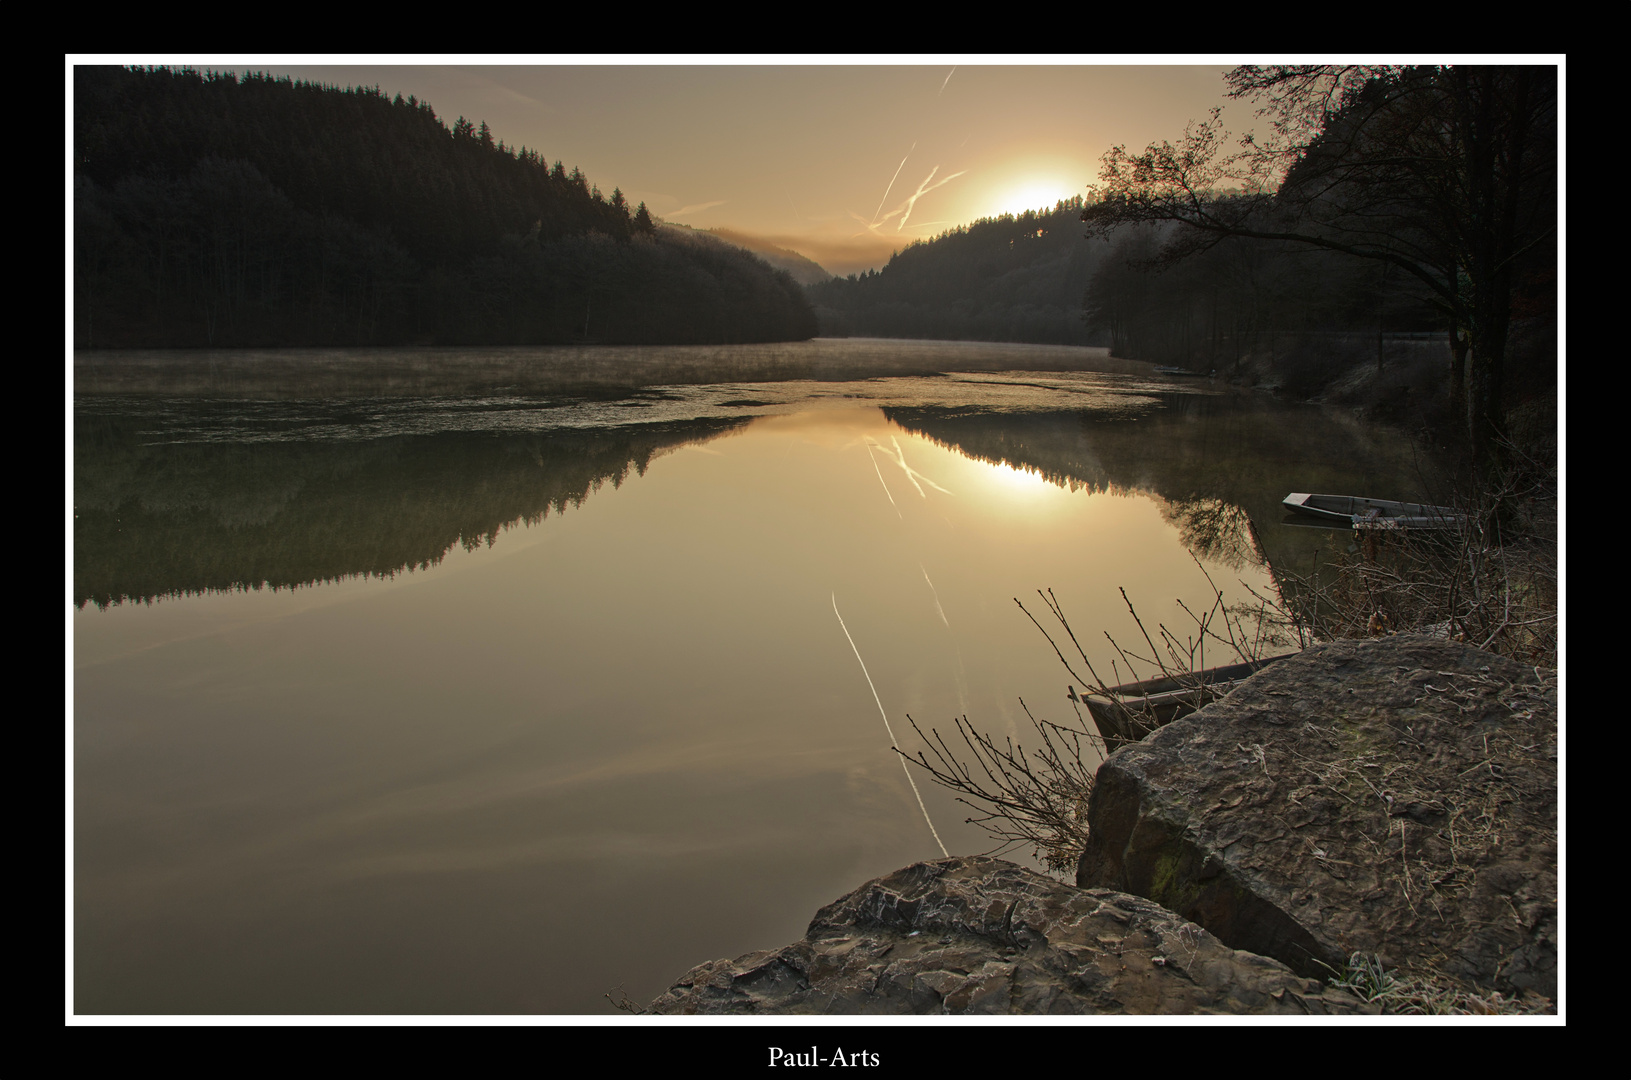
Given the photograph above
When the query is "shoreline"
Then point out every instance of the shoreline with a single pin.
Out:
(592, 370)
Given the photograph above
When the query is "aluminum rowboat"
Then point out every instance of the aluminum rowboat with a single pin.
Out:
(1357, 512)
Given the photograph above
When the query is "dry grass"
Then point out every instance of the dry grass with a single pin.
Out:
(1491, 582)
(1038, 798)
(1368, 980)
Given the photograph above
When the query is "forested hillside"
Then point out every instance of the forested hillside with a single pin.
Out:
(1216, 306)
(1010, 278)
(214, 210)
(1370, 197)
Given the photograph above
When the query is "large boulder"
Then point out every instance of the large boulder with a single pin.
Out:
(1395, 797)
(977, 935)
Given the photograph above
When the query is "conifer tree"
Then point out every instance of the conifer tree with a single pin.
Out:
(267, 212)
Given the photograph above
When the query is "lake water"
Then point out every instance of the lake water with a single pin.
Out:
(496, 702)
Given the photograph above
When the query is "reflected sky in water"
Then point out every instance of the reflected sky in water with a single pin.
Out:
(610, 746)
(588, 752)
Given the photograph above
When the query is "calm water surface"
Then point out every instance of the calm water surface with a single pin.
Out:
(495, 705)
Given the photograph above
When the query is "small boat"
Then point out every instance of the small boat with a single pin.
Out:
(1353, 511)
(1181, 372)
(1127, 713)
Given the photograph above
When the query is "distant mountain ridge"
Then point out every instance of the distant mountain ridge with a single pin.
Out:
(804, 270)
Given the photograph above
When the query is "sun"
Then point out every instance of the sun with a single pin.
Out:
(1033, 193)
(1029, 178)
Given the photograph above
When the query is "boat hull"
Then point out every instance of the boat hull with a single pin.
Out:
(1357, 512)
(1129, 712)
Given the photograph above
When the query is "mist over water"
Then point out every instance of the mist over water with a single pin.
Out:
(501, 703)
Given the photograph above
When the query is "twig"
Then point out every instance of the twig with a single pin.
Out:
(1145, 632)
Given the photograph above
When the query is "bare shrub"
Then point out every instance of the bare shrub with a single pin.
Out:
(1038, 798)
(1490, 581)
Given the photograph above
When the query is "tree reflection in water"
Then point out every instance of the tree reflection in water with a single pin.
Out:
(1216, 530)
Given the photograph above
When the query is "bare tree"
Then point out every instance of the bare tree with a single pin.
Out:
(1447, 173)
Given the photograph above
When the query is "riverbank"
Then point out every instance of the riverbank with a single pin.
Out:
(604, 370)
(1385, 808)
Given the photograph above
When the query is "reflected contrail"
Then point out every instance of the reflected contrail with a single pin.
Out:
(936, 593)
(899, 458)
(911, 474)
(881, 480)
(960, 677)
(889, 729)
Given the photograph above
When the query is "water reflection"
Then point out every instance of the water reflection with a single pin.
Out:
(182, 495)
(154, 519)
(598, 749)
(1218, 464)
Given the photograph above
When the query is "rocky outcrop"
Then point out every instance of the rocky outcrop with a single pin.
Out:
(1396, 797)
(977, 935)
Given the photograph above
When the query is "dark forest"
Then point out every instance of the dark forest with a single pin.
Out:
(1017, 277)
(211, 210)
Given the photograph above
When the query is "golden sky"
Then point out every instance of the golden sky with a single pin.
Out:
(842, 162)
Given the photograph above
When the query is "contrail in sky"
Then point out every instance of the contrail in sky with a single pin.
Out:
(889, 729)
(922, 190)
(904, 210)
(892, 180)
(949, 74)
(698, 208)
